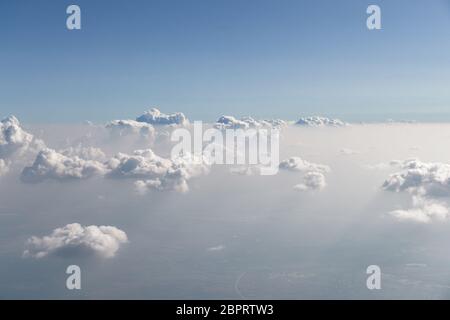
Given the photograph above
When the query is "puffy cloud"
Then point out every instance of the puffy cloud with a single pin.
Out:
(155, 117)
(142, 164)
(74, 240)
(423, 211)
(313, 173)
(298, 164)
(312, 181)
(50, 164)
(150, 170)
(320, 122)
(14, 141)
(175, 177)
(426, 179)
(127, 127)
(230, 122)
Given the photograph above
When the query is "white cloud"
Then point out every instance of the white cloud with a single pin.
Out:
(312, 181)
(127, 127)
(426, 179)
(298, 164)
(50, 164)
(150, 170)
(423, 211)
(230, 122)
(320, 122)
(142, 164)
(14, 141)
(155, 117)
(313, 173)
(74, 239)
(175, 177)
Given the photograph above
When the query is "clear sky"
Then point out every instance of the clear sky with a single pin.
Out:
(206, 58)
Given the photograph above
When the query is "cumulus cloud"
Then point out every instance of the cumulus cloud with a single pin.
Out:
(141, 164)
(422, 178)
(50, 164)
(75, 240)
(150, 171)
(129, 127)
(312, 181)
(230, 122)
(300, 165)
(320, 122)
(313, 173)
(426, 182)
(14, 141)
(156, 117)
(175, 177)
(423, 211)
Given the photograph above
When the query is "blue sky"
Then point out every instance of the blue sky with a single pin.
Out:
(206, 58)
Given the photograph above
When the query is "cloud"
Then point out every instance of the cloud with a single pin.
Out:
(75, 240)
(426, 182)
(141, 164)
(423, 211)
(129, 127)
(49, 164)
(155, 117)
(313, 173)
(320, 122)
(230, 122)
(422, 178)
(149, 170)
(300, 165)
(14, 141)
(175, 177)
(312, 181)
